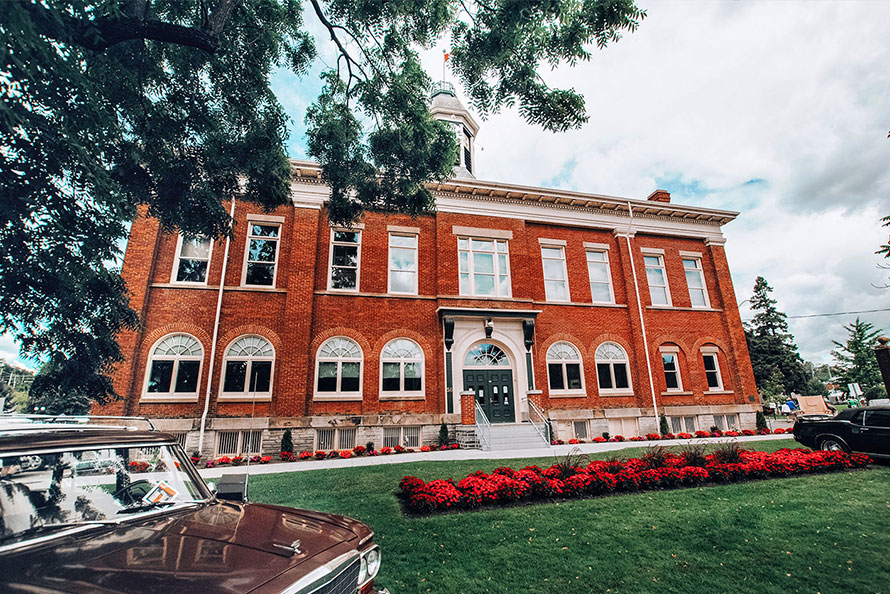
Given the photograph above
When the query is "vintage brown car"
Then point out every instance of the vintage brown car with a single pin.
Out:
(94, 508)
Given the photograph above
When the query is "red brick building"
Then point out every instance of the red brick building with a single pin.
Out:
(602, 310)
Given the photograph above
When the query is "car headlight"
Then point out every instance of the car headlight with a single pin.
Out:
(370, 565)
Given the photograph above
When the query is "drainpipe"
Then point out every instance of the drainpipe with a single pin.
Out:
(222, 282)
(633, 270)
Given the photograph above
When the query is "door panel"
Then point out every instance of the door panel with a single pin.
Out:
(494, 393)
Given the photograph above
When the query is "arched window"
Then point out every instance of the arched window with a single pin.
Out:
(486, 355)
(339, 368)
(564, 368)
(401, 370)
(248, 366)
(174, 366)
(611, 368)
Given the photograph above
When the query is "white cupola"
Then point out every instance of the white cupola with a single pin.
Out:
(446, 107)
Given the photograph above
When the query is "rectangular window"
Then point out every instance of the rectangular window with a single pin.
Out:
(484, 267)
(345, 259)
(391, 436)
(655, 274)
(227, 443)
(346, 438)
(712, 371)
(580, 429)
(192, 260)
(600, 277)
(411, 437)
(180, 438)
(626, 427)
(403, 264)
(671, 372)
(695, 280)
(726, 422)
(556, 284)
(683, 424)
(262, 255)
(324, 439)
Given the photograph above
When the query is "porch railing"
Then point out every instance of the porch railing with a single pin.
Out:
(539, 421)
(483, 428)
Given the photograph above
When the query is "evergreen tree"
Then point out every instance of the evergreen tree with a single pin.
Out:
(663, 426)
(774, 386)
(856, 362)
(47, 397)
(166, 105)
(287, 441)
(760, 421)
(772, 347)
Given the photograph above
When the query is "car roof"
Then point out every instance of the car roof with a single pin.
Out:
(17, 435)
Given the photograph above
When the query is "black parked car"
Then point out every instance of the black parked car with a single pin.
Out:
(865, 430)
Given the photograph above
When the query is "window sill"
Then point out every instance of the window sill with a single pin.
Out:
(581, 304)
(554, 394)
(403, 397)
(166, 399)
(616, 393)
(718, 392)
(674, 308)
(676, 393)
(244, 398)
(346, 398)
(260, 288)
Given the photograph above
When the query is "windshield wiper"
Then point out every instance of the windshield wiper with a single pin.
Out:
(58, 526)
(153, 505)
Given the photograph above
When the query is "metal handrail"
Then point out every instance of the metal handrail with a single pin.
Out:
(541, 426)
(483, 428)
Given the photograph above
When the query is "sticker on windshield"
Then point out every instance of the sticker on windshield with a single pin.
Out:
(160, 493)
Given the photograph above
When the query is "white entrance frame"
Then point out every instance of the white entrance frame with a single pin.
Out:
(507, 334)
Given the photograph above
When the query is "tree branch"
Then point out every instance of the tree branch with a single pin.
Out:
(102, 33)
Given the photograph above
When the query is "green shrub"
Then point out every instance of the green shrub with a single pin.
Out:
(287, 441)
(444, 438)
(664, 427)
(760, 420)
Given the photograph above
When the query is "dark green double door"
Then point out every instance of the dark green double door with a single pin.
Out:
(494, 392)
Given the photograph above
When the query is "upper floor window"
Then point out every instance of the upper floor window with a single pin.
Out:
(339, 368)
(600, 276)
(564, 369)
(174, 366)
(612, 370)
(402, 263)
(556, 284)
(248, 366)
(695, 280)
(712, 368)
(262, 254)
(670, 361)
(484, 267)
(401, 363)
(655, 274)
(345, 257)
(192, 260)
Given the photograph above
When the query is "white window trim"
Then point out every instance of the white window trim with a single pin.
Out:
(681, 417)
(402, 394)
(241, 441)
(675, 351)
(277, 240)
(565, 270)
(247, 395)
(358, 258)
(178, 257)
(714, 351)
(701, 273)
(613, 391)
(340, 395)
(389, 270)
(481, 233)
(402, 437)
(172, 396)
(667, 284)
(471, 267)
(605, 252)
(565, 380)
(336, 438)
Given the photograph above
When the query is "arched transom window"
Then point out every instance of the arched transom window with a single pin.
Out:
(564, 368)
(339, 368)
(174, 366)
(486, 355)
(611, 368)
(248, 366)
(401, 363)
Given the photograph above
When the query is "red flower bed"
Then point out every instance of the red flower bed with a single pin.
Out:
(505, 485)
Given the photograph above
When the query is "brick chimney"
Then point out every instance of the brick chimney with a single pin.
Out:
(660, 196)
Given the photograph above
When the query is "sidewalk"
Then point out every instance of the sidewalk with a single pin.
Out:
(439, 456)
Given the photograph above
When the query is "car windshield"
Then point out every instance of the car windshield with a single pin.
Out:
(51, 491)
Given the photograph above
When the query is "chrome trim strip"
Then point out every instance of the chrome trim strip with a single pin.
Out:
(320, 576)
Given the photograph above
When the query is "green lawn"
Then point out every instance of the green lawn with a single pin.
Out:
(826, 533)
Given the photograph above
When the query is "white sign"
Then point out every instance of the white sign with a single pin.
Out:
(854, 389)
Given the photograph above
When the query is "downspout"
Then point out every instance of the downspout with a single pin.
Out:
(222, 283)
(633, 270)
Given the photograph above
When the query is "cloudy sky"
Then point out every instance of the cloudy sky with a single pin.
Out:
(779, 110)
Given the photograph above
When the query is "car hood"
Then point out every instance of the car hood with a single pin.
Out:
(219, 547)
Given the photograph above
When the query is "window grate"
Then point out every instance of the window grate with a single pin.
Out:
(580, 428)
(346, 439)
(391, 437)
(324, 439)
(227, 443)
(411, 437)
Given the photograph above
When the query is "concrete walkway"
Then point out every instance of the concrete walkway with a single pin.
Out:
(438, 456)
